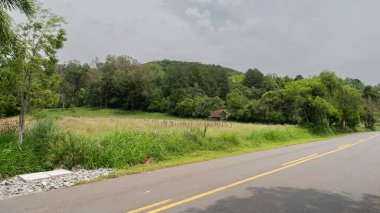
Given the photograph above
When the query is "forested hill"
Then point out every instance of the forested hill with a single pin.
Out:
(210, 80)
(190, 89)
(166, 65)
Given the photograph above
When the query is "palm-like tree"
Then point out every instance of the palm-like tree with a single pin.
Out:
(26, 7)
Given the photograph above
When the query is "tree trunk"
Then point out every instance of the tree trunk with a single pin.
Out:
(106, 105)
(63, 100)
(21, 125)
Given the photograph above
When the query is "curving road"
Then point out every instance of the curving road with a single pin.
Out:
(336, 175)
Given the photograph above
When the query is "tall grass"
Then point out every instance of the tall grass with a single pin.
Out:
(47, 147)
(280, 135)
(15, 159)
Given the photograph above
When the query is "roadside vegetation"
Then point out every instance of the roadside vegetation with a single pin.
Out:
(133, 143)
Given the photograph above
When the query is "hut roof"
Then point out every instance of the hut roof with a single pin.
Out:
(216, 114)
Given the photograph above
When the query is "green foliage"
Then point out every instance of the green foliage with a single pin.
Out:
(199, 107)
(235, 101)
(74, 78)
(253, 78)
(8, 99)
(27, 7)
(350, 103)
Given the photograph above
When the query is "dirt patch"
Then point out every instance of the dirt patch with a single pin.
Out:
(11, 123)
(8, 123)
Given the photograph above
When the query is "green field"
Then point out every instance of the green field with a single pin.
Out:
(134, 141)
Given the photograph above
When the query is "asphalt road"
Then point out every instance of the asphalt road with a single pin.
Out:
(337, 175)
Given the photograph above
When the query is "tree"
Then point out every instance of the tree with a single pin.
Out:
(74, 78)
(224, 84)
(356, 83)
(8, 100)
(252, 112)
(298, 77)
(350, 103)
(369, 114)
(26, 7)
(331, 82)
(235, 101)
(35, 60)
(204, 106)
(253, 78)
(135, 86)
(186, 107)
(94, 89)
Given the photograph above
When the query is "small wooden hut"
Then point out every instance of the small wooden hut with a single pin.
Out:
(219, 115)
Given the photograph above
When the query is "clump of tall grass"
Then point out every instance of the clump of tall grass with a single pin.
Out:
(278, 135)
(223, 141)
(128, 148)
(13, 158)
(118, 149)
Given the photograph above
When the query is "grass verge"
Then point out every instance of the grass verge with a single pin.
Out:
(201, 156)
(47, 146)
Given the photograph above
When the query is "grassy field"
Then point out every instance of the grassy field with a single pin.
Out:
(102, 113)
(99, 122)
(133, 141)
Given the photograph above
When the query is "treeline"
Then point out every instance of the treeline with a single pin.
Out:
(188, 89)
(195, 90)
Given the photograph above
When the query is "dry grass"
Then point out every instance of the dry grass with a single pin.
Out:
(98, 126)
(12, 123)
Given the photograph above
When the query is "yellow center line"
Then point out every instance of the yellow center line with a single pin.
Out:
(150, 206)
(299, 159)
(344, 146)
(288, 165)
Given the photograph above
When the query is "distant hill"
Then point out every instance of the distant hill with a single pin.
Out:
(169, 64)
(197, 69)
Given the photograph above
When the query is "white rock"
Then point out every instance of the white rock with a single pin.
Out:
(34, 176)
(58, 172)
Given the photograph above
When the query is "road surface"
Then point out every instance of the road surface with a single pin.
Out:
(336, 175)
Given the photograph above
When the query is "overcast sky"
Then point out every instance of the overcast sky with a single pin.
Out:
(286, 37)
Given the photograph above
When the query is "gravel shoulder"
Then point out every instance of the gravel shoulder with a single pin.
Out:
(15, 186)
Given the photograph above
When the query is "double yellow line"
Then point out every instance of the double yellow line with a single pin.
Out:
(283, 167)
(295, 161)
(150, 206)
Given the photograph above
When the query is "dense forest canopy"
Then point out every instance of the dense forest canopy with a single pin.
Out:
(325, 102)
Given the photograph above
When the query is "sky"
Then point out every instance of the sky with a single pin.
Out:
(286, 37)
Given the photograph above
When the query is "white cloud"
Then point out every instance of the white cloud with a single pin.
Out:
(201, 18)
(197, 13)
